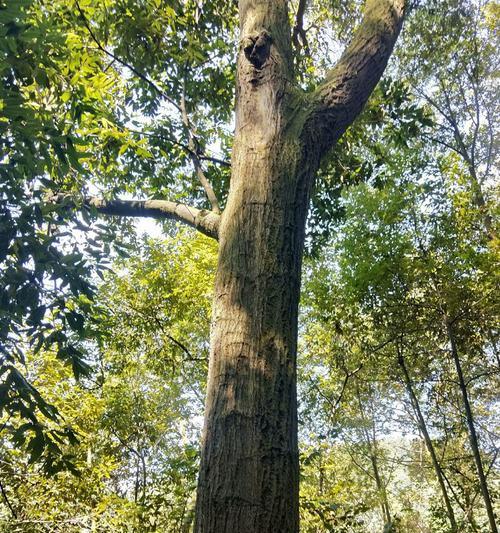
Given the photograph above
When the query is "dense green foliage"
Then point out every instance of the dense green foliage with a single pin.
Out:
(137, 417)
(104, 331)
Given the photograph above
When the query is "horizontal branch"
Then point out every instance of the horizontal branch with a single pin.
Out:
(341, 97)
(205, 221)
(215, 160)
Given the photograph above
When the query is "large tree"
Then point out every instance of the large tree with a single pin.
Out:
(249, 472)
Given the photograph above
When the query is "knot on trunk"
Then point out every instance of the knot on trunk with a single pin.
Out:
(257, 48)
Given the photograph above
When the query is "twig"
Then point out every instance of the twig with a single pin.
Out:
(193, 148)
(4, 494)
(175, 142)
(138, 73)
(336, 404)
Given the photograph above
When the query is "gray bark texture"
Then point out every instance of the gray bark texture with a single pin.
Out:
(249, 475)
(206, 222)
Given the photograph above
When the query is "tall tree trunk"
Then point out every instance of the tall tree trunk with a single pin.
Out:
(249, 474)
(472, 429)
(428, 441)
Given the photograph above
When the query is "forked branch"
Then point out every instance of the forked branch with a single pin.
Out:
(299, 35)
(193, 147)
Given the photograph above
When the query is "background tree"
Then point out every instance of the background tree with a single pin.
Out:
(137, 418)
(402, 270)
(119, 100)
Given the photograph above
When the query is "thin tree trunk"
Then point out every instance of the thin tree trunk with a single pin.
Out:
(465, 507)
(428, 441)
(372, 451)
(472, 430)
(380, 489)
(469, 511)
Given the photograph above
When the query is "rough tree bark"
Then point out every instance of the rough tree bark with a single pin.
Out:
(249, 475)
(249, 470)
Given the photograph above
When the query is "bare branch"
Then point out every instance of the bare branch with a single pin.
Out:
(341, 97)
(299, 35)
(193, 148)
(215, 160)
(205, 221)
(335, 404)
(6, 499)
(452, 120)
(161, 135)
(477, 119)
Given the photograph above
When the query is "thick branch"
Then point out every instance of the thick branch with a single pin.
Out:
(207, 222)
(341, 97)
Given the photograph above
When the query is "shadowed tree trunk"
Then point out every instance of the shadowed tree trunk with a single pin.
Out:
(249, 474)
(249, 477)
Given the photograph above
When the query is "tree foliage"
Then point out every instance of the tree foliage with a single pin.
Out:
(104, 332)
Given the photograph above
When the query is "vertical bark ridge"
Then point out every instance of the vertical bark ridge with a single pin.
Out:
(249, 471)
